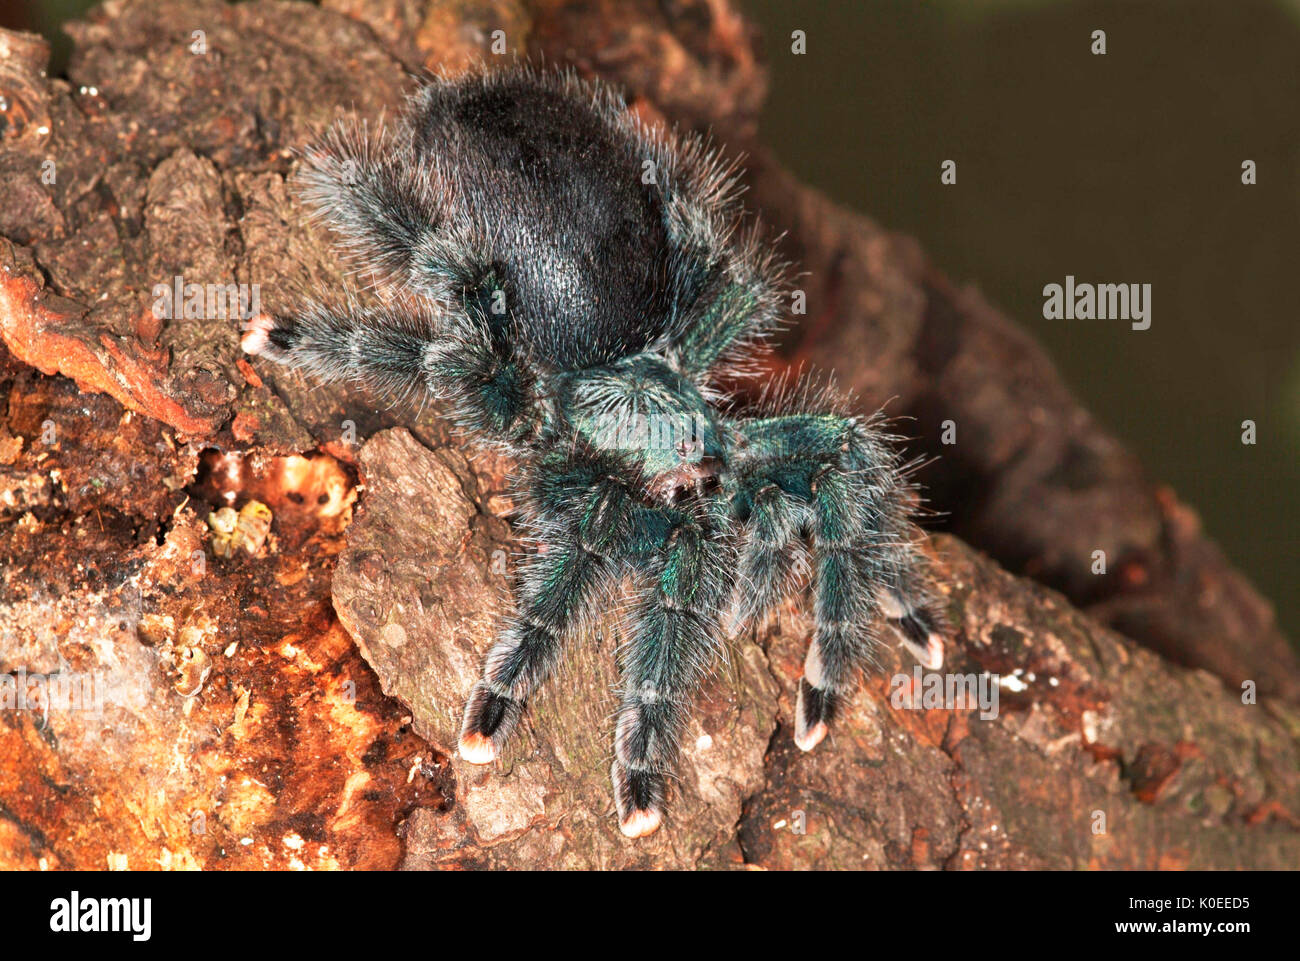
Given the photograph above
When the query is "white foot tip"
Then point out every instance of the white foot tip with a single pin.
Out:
(477, 749)
(809, 739)
(934, 652)
(639, 824)
(929, 657)
(257, 334)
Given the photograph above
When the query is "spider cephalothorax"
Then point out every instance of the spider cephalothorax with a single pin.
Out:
(575, 286)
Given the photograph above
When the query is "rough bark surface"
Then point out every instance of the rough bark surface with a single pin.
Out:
(295, 706)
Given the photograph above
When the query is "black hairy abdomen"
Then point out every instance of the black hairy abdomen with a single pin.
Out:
(578, 240)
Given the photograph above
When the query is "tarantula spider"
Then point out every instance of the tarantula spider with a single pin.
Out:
(574, 286)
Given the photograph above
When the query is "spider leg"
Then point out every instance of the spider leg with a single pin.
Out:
(675, 636)
(557, 589)
(410, 350)
(369, 187)
(447, 326)
(828, 474)
(844, 604)
(772, 555)
(916, 619)
(904, 592)
(729, 314)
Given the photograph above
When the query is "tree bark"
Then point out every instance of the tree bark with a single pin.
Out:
(295, 706)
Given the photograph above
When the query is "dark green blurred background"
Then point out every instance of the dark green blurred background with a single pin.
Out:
(1117, 169)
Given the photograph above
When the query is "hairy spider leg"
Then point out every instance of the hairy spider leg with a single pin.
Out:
(773, 556)
(729, 316)
(406, 350)
(589, 517)
(821, 474)
(891, 552)
(381, 206)
(683, 560)
(912, 611)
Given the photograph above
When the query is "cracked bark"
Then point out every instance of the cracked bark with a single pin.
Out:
(337, 655)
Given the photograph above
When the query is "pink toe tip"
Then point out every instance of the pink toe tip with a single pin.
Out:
(256, 334)
(639, 824)
(809, 739)
(477, 748)
(934, 652)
